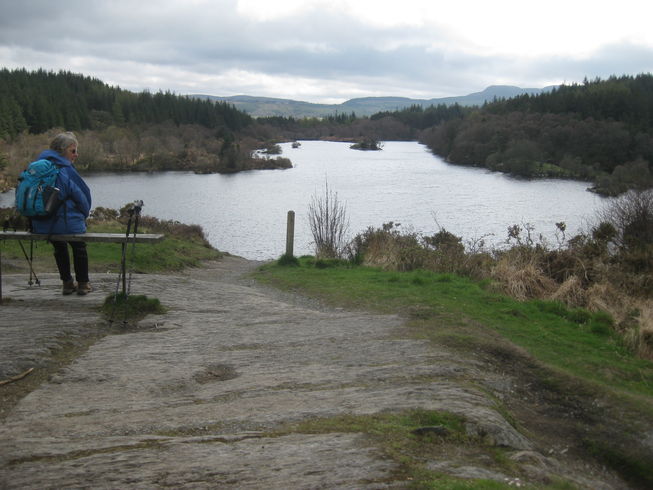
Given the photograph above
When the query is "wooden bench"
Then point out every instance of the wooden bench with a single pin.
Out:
(83, 237)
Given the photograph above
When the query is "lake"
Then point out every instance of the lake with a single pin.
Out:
(245, 213)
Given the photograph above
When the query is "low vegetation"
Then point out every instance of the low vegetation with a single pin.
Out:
(608, 269)
(130, 307)
(152, 148)
(411, 437)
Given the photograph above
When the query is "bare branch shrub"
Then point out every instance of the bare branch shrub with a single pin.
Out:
(631, 215)
(329, 223)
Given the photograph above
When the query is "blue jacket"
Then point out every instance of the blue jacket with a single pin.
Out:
(71, 217)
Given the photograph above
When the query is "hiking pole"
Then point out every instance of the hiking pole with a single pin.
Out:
(123, 261)
(29, 262)
(137, 213)
(138, 205)
(121, 273)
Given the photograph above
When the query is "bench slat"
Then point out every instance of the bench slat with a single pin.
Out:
(84, 237)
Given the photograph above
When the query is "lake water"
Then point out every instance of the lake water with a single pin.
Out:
(245, 213)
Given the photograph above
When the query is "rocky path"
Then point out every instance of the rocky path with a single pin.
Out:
(191, 399)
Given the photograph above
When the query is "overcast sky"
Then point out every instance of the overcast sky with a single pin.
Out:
(329, 50)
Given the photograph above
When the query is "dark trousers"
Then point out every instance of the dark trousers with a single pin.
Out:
(80, 260)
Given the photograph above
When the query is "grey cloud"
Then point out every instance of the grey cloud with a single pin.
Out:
(321, 46)
(344, 47)
(218, 39)
(617, 59)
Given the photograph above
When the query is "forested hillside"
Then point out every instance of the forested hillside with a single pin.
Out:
(121, 130)
(598, 130)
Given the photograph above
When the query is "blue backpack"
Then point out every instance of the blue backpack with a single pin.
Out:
(36, 194)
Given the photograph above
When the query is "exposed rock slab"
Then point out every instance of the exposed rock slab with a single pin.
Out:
(188, 399)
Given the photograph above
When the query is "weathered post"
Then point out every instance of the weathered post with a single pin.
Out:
(290, 233)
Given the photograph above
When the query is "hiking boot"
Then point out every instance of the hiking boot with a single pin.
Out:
(69, 287)
(84, 288)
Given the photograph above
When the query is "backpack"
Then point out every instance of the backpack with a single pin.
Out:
(36, 194)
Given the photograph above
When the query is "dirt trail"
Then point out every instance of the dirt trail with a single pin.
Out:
(189, 399)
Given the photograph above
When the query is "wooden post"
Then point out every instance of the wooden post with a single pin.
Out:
(290, 233)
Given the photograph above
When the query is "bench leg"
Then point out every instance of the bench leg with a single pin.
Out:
(123, 270)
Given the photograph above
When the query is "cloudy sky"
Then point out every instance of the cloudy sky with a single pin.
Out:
(329, 50)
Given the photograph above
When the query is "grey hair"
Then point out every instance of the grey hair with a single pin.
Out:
(63, 141)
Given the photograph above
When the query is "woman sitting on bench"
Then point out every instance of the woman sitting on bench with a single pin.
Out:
(71, 216)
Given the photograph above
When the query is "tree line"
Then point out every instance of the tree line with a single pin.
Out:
(625, 99)
(36, 101)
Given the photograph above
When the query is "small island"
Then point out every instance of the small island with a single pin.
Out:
(367, 145)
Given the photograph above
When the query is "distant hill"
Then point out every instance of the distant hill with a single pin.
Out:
(365, 106)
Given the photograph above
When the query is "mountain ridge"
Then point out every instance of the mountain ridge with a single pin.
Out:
(362, 106)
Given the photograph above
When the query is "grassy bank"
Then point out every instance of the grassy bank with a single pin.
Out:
(582, 382)
(574, 341)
